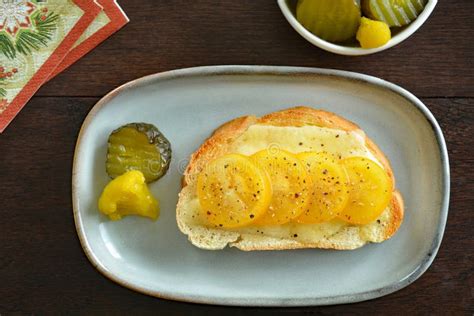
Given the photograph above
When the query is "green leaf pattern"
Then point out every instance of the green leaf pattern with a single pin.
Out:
(28, 40)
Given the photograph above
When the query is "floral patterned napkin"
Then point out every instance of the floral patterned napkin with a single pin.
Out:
(40, 38)
(106, 23)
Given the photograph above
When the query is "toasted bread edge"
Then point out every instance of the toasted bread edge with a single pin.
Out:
(217, 145)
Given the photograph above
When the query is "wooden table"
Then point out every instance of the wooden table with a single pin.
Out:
(42, 266)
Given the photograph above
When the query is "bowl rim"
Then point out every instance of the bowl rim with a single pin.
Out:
(356, 51)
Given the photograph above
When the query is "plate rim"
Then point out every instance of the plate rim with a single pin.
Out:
(261, 70)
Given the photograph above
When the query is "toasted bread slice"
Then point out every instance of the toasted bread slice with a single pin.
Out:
(333, 235)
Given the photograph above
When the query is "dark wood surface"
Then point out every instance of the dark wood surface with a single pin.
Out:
(42, 266)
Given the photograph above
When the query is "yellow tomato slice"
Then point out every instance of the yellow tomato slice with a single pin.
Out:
(233, 191)
(290, 185)
(329, 193)
(370, 190)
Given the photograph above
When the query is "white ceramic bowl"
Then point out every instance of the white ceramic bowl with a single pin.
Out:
(288, 8)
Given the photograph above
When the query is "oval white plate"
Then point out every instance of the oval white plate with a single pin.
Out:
(187, 105)
(288, 8)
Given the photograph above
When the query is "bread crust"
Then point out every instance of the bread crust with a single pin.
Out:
(220, 141)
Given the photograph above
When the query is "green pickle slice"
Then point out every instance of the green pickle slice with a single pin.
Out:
(138, 146)
(393, 12)
(333, 21)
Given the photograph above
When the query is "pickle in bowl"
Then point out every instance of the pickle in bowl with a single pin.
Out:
(330, 20)
(395, 13)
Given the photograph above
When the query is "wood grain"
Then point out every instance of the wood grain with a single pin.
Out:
(42, 267)
(165, 35)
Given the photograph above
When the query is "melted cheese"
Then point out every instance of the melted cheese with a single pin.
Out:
(300, 139)
(297, 139)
